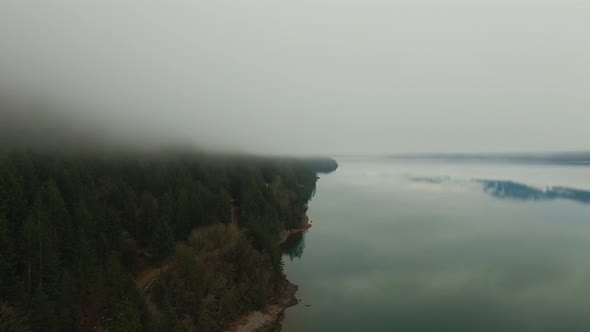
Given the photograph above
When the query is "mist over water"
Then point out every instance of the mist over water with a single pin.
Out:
(443, 246)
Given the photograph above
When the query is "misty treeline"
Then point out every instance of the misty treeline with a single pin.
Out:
(76, 229)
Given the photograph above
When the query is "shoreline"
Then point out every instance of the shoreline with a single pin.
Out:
(286, 234)
(267, 318)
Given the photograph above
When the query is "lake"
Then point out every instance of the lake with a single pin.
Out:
(444, 246)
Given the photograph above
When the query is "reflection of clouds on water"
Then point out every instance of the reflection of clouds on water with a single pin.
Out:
(440, 184)
(400, 251)
(453, 275)
(432, 187)
(519, 191)
(454, 290)
(502, 189)
(372, 174)
(430, 179)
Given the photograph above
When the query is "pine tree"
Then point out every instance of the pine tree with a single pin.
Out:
(8, 277)
(126, 318)
(12, 320)
(42, 312)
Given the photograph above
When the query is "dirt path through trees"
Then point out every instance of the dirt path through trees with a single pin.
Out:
(145, 279)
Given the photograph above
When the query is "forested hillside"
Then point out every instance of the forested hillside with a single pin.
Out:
(77, 228)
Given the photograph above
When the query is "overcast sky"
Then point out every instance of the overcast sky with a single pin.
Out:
(312, 76)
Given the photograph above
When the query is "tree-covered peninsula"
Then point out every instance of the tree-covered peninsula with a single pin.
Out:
(144, 241)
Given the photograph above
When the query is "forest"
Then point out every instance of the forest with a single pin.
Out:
(78, 230)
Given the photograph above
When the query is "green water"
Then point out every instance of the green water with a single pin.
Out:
(444, 247)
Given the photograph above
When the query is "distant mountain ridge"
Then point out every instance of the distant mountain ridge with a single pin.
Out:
(563, 158)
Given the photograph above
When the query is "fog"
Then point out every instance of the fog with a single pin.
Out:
(306, 77)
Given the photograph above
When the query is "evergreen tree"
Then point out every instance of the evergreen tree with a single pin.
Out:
(11, 320)
(125, 318)
(43, 317)
(75, 228)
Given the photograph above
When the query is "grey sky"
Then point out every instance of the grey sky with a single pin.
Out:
(313, 76)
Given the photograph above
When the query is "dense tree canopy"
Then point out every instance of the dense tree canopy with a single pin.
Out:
(76, 227)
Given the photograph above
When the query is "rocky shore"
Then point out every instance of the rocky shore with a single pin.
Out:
(267, 319)
(285, 234)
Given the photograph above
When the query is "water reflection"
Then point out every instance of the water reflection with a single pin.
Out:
(519, 191)
(294, 246)
(505, 189)
(459, 252)
(431, 179)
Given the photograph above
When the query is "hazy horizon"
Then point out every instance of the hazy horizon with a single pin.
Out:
(308, 77)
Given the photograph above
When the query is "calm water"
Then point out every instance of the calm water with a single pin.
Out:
(400, 246)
